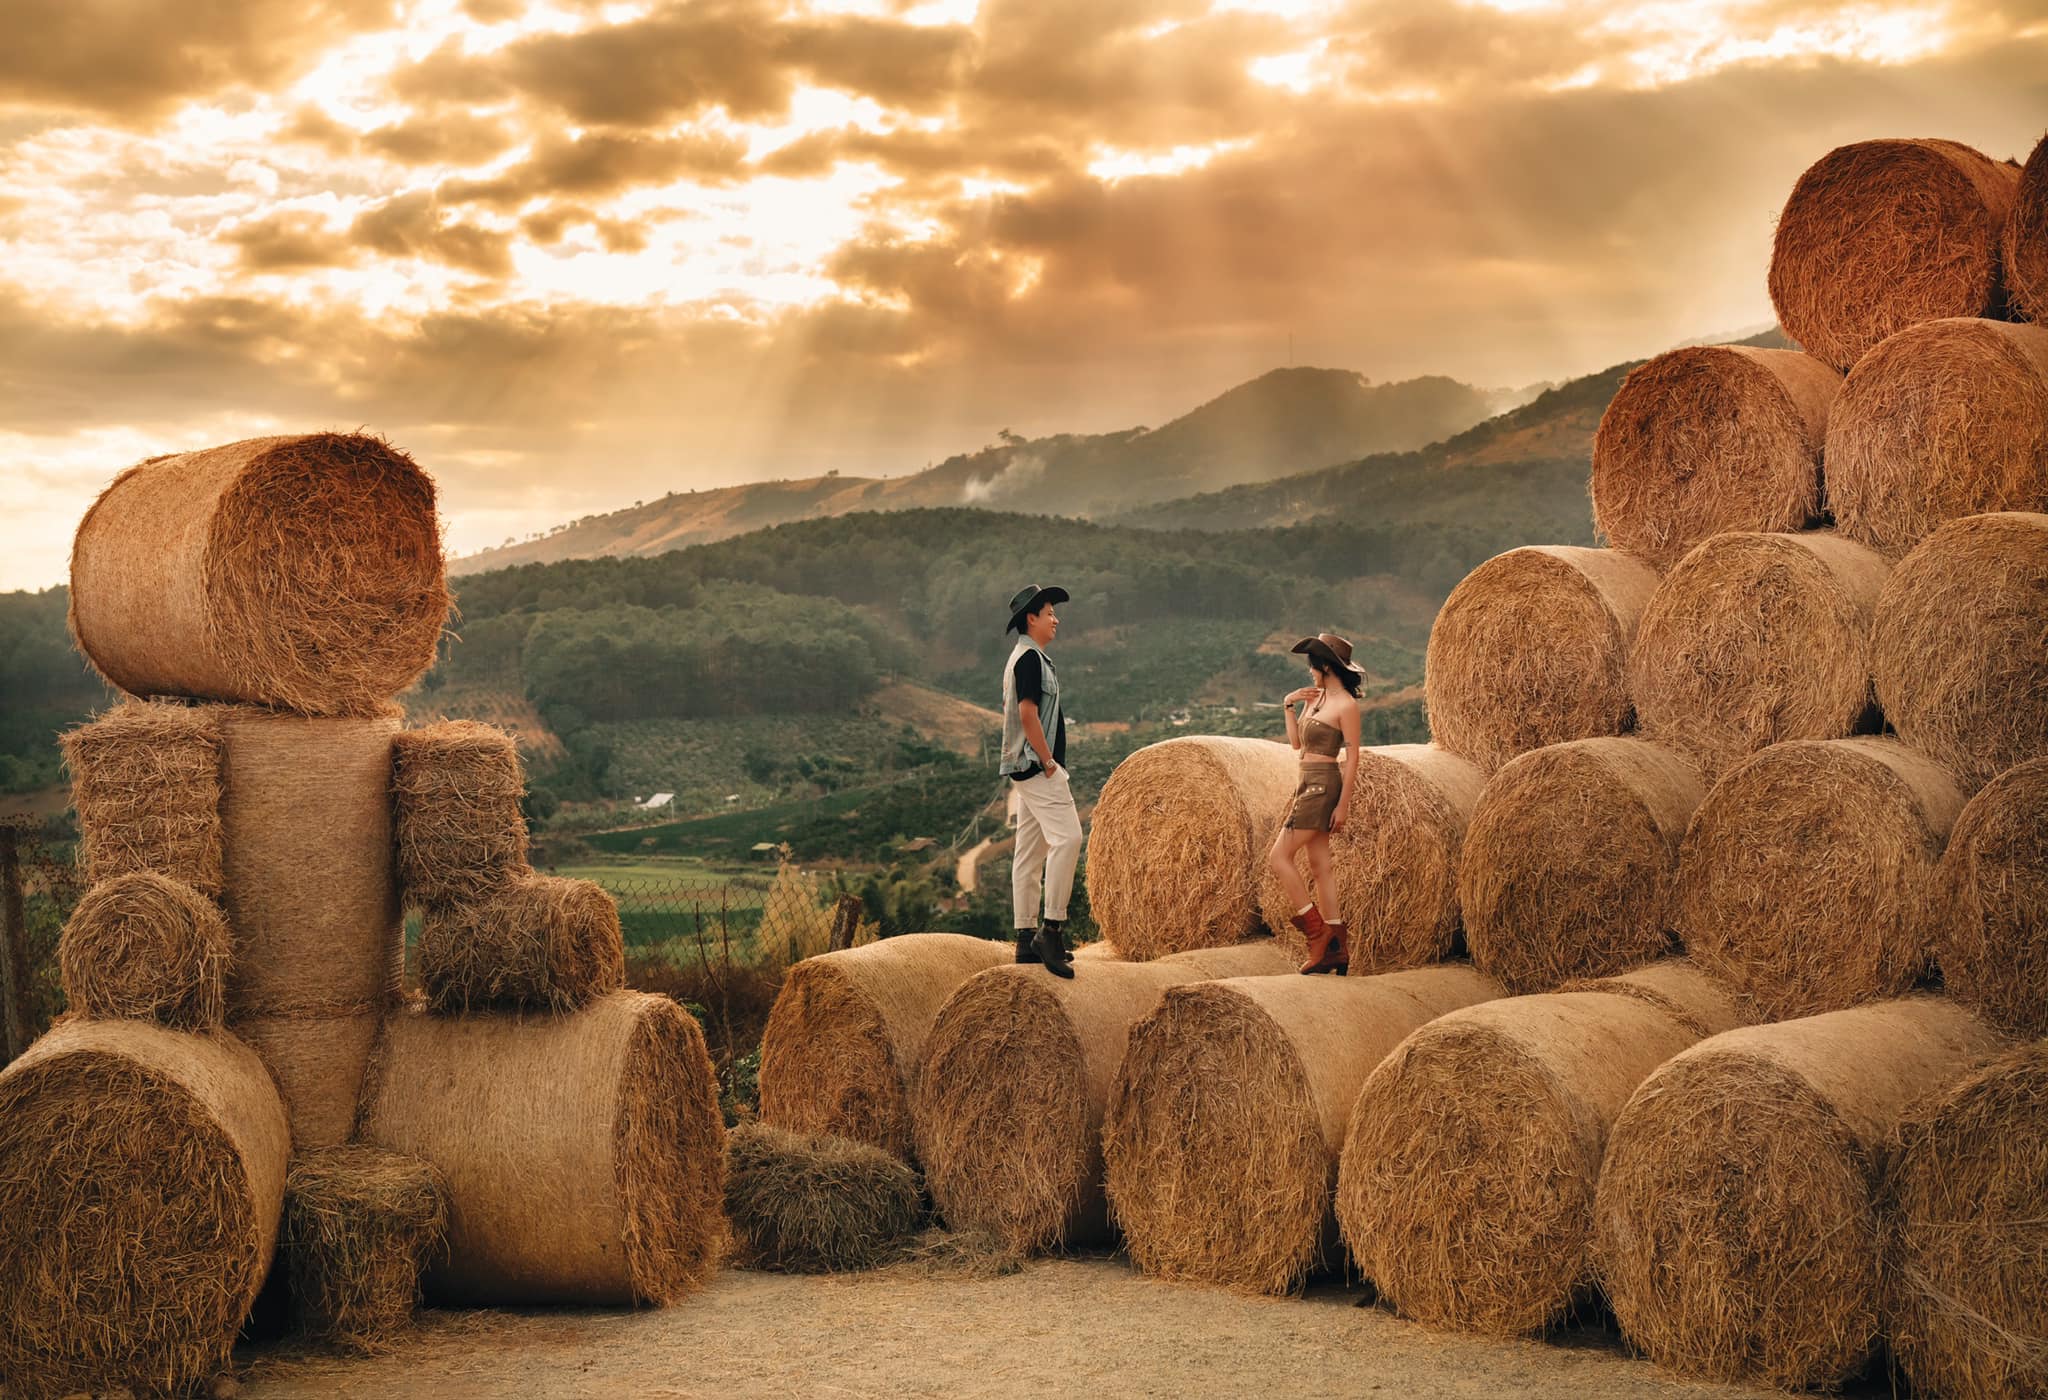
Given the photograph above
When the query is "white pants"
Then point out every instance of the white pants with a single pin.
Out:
(1048, 847)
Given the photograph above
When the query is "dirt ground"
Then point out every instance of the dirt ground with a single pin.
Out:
(1082, 1327)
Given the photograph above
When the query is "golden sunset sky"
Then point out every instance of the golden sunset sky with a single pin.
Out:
(575, 254)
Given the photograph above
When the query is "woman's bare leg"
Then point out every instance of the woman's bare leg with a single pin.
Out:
(1281, 858)
(1326, 876)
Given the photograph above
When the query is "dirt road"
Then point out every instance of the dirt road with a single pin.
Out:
(1089, 1328)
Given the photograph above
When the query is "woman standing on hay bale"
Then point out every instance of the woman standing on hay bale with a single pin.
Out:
(1322, 799)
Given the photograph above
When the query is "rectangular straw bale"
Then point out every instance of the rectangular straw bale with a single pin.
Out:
(146, 782)
(461, 835)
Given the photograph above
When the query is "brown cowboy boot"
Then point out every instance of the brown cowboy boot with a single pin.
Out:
(1336, 953)
(1318, 934)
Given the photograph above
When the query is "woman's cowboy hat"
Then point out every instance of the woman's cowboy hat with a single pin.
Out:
(1027, 600)
(1328, 646)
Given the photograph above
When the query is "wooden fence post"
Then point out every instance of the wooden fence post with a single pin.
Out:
(845, 921)
(14, 1009)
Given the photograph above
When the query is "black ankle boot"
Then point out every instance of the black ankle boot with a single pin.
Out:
(1052, 948)
(1027, 945)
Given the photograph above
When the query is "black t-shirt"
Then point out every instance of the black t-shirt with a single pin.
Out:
(1030, 674)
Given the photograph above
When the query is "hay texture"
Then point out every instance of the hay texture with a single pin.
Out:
(1882, 235)
(1016, 1078)
(1396, 859)
(146, 782)
(456, 788)
(1228, 1114)
(141, 1174)
(1466, 1189)
(1968, 1248)
(584, 1154)
(359, 1226)
(1709, 439)
(1571, 858)
(848, 1032)
(1178, 842)
(2026, 239)
(805, 1203)
(146, 948)
(1993, 949)
(1807, 879)
(1737, 1227)
(300, 572)
(1757, 638)
(1944, 420)
(1959, 647)
(1532, 649)
(539, 941)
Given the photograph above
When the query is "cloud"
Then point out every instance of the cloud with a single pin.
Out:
(415, 225)
(599, 164)
(1011, 482)
(290, 241)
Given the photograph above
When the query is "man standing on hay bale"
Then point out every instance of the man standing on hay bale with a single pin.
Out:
(1034, 759)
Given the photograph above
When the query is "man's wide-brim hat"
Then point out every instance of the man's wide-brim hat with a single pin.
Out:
(1028, 600)
(1331, 648)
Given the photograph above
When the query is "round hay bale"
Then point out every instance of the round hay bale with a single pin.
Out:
(1736, 1227)
(146, 782)
(1994, 892)
(806, 1203)
(1807, 878)
(1967, 1308)
(848, 1031)
(1881, 235)
(1944, 420)
(1958, 647)
(141, 1175)
(1708, 439)
(538, 941)
(1758, 638)
(2026, 239)
(456, 786)
(301, 572)
(1396, 859)
(1228, 1113)
(584, 1154)
(1570, 860)
(1178, 841)
(359, 1226)
(146, 948)
(1015, 1080)
(319, 1063)
(1466, 1188)
(1532, 649)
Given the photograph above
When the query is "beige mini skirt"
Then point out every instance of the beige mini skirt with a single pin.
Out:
(1315, 797)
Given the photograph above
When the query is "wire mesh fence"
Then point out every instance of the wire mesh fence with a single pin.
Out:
(39, 887)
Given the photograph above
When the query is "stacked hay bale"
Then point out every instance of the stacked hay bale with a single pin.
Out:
(1016, 1078)
(817, 1203)
(1228, 1113)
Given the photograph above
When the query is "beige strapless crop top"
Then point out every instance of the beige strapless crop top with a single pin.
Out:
(1322, 740)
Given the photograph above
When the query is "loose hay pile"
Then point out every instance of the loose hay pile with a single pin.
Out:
(1708, 439)
(1947, 419)
(1757, 638)
(1994, 896)
(1532, 649)
(848, 1032)
(1959, 648)
(584, 1154)
(461, 835)
(1570, 861)
(2026, 239)
(1881, 235)
(1968, 1247)
(359, 1226)
(145, 780)
(1178, 840)
(1015, 1081)
(804, 1203)
(141, 1174)
(1396, 859)
(1807, 878)
(1466, 1190)
(538, 941)
(303, 572)
(143, 947)
(1737, 1224)
(1228, 1113)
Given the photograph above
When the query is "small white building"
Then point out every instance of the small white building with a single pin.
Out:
(660, 799)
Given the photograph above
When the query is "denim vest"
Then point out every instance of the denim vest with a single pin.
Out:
(1017, 754)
